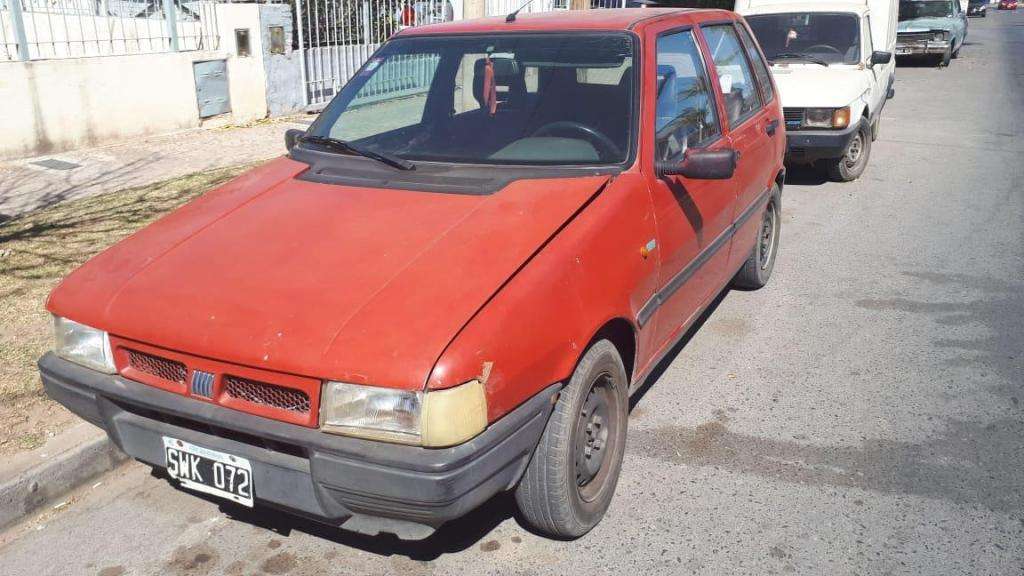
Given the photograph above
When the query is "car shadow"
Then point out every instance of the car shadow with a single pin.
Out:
(805, 175)
(927, 61)
(455, 536)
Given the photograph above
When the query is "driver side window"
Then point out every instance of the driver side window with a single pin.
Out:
(685, 112)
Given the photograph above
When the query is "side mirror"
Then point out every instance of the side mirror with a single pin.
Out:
(702, 165)
(291, 137)
(879, 57)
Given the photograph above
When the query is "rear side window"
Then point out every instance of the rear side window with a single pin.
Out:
(685, 112)
(760, 68)
(735, 79)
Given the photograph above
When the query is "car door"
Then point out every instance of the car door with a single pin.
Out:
(876, 73)
(753, 127)
(692, 216)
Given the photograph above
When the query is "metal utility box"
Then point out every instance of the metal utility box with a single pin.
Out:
(212, 87)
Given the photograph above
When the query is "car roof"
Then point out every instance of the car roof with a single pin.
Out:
(597, 19)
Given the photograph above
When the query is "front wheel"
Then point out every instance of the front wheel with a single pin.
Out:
(569, 483)
(946, 57)
(855, 158)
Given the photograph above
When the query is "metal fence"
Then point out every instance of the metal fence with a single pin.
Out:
(335, 37)
(39, 29)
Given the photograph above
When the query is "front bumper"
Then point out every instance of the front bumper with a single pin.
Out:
(922, 48)
(812, 145)
(358, 484)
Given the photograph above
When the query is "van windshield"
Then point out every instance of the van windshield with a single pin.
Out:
(823, 37)
(926, 9)
(552, 99)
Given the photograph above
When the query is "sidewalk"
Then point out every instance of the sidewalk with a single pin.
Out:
(32, 183)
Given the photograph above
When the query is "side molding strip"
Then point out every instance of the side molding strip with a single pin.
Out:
(681, 277)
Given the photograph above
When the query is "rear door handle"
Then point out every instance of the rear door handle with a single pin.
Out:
(771, 127)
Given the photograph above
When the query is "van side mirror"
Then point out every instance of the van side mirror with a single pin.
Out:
(880, 57)
(291, 136)
(702, 165)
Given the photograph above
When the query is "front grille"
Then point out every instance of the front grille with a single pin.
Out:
(161, 368)
(266, 394)
(915, 37)
(794, 118)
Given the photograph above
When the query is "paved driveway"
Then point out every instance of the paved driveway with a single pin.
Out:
(864, 414)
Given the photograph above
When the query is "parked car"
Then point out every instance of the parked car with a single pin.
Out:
(1007, 4)
(445, 290)
(935, 28)
(834, 66)
(978, 8)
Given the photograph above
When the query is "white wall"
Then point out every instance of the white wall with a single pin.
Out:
(62, 104)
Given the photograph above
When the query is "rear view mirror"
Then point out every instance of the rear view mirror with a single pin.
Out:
(702, 165)
(291, 137)
(879, 57)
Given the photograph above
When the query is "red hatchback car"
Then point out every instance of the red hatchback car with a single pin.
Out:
(453, 281)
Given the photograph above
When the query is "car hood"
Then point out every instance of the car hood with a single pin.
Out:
(365, 285)
(926, 24)
(814, 86)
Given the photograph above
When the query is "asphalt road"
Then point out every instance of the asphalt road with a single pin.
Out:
(864, 414)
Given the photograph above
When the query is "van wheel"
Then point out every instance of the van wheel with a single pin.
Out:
(569, 483)
(855, 159)
(757, 270)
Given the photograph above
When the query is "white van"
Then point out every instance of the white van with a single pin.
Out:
(834, 67)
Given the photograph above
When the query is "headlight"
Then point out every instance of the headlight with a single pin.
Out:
(83, 345)
(434, 418)
(940, 36)
(826, 117)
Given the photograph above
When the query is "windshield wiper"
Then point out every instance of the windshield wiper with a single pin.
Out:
(348, 148)
(799, 56)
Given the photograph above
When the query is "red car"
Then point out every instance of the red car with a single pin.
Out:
(453, 281)
(1007, 4)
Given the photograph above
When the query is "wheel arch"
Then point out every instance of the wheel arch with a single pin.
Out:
(622, 334)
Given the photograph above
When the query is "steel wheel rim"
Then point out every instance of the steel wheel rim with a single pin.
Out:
(597, 425)
(856, 149)
(767, 238)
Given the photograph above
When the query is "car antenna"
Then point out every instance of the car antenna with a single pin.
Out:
(512, 15)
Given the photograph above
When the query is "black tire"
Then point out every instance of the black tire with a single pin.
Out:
(855, 158)
(757, 270)
(550, 495)
(945, 58)
(956, 53)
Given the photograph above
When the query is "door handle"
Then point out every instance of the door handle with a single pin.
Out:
(771, 127)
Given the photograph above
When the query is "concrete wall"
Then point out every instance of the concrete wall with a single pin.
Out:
(61, 104)
(53, 105)
(283, 77)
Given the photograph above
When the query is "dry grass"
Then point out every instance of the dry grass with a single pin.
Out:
(36, 251)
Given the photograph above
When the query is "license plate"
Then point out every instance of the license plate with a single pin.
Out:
(902, 51)
(209, 471)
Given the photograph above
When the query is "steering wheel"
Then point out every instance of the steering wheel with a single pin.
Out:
(605, 147)
(826, 47)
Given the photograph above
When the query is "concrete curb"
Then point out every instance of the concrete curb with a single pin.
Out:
(68, 461)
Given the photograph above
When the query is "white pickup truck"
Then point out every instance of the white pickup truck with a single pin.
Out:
(834, 67)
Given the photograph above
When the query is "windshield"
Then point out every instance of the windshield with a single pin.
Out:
(500, 99)
(827, 37)
(926, 9)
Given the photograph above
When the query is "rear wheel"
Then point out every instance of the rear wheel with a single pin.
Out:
(855, 158)
(757, 270)
(569, 483)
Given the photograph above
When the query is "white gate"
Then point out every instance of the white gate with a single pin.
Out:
(335, 37)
